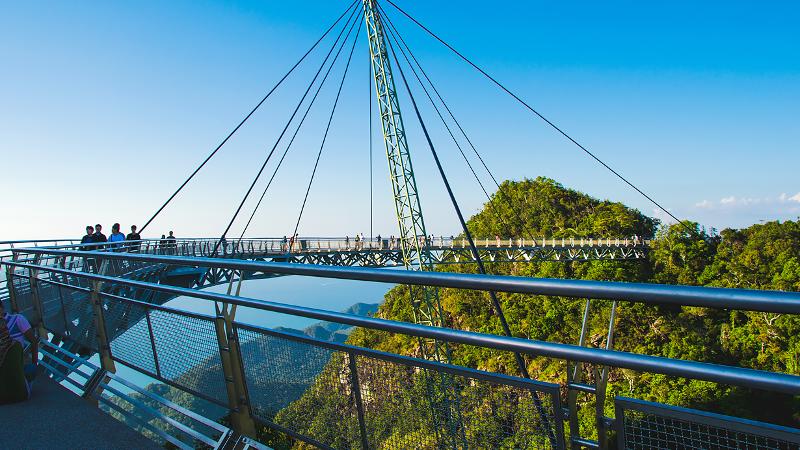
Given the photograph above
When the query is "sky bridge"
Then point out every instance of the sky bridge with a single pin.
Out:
(222, 362)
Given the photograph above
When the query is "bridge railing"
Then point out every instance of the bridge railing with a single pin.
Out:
(335, 395)
(209, 246)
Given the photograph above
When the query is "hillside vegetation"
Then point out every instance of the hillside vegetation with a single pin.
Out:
(765, 256)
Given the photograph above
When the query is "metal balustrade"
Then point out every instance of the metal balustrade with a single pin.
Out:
(365, 388)
(642, 424)
(384, 252)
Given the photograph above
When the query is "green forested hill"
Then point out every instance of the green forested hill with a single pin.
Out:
(761, 257)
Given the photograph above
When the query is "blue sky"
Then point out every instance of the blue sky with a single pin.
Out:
(106, 106)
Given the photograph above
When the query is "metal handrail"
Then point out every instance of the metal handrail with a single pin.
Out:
(652, 364)
(709, 297)
(383, 244)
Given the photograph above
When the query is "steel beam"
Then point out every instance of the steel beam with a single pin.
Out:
(414, 245)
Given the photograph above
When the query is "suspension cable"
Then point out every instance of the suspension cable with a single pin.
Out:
(327, 129)
(369, 98)
(235, 129)
(285, 152)
(454, 202)
(495, 302)
(403, 46)
(288, 123)
(439, 96)
(394, 35)
(542, 117)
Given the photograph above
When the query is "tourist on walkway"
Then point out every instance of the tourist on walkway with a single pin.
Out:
(172, 243)
(88, 238)
(99, 237)
(116, 235)
(20, 331)
(136, 238)
(14, 386)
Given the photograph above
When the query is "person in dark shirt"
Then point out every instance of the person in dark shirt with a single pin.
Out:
(172, 243)
(98, 235)
(134, 236)
(88, 238)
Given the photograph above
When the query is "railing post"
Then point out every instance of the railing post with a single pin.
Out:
(362, 425)
(12, 295)
(233, 369)
(101, 332)
(36, 300)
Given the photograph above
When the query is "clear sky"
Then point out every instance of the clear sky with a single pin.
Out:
(105, 107)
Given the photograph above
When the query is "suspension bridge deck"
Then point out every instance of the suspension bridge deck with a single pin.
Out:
(141, 336)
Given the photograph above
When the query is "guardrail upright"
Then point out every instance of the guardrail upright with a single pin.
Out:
(233, 369)
(576, 385)
(36, 300)
(101, 332)
(362, 425)
(12, 293)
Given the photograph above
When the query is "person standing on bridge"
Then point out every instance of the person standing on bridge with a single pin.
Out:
(14, 386)
(116, 235)
(88, 238)
(98, 236)
(136, 239)
(20, 330)
(172, 243)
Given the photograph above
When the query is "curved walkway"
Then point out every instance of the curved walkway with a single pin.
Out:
(56, 418)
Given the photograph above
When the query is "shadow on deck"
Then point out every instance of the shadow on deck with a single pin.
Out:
(56, 418)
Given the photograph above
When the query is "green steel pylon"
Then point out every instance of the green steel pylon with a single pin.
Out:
(414, 245)
(413, 242)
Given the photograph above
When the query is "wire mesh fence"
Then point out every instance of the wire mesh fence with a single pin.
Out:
(130, 335)
(175, 347)
(79, 320)
(23, 297)
(288, 379)
(410, 403)
(310, 387)
(646, 425)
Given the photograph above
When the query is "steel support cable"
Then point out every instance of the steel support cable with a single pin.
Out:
(439, 96)
(394, 35)
(495, 302)
(436, 91)
(285, 152)
(394, 32)
(369, 98)
(288, 123)
(327, 129)
(235, 129)
(545, 119)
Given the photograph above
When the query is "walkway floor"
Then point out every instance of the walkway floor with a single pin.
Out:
(56, 418)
